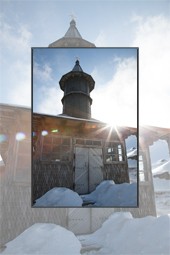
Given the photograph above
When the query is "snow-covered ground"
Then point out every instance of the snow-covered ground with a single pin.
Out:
(43, 238)
(161, 180)
(110, 194)
(161, 167)
(106, 193)
(120, 234)
(59, 197)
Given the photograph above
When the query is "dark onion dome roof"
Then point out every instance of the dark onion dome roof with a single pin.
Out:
(72, 38)
(77, 71)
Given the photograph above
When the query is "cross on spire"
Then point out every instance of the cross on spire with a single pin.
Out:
(73, 17)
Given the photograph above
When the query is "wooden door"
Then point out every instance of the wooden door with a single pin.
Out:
(95, 168)
(81, 170)
(88, 169)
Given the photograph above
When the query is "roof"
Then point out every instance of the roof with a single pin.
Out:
(72, 31)
(77, 71)
(72, 38)
(77, 67)
(90, 124)
(150, 134)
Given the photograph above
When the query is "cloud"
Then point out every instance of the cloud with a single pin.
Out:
(101, 40)
(20, 85)
(16, 65)
(16, 39)
(50, 101)
(118, 96)
(153, 39)
(43, 72)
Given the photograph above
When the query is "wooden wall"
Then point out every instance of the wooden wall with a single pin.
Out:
(47, 175)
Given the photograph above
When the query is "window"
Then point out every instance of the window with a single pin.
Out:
(114, 152)
(92, 143)
(56, 148)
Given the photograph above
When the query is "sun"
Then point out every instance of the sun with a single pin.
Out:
(113, 119)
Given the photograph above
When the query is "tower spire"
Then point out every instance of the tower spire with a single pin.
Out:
(72, 37)
(73, 32)
(73, 17)
(77, 67)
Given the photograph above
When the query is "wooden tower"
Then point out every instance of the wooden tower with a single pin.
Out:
(77, 86)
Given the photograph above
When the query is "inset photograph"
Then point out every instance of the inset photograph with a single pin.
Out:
(84, 127)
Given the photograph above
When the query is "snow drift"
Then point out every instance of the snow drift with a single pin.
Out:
(59, 197)
(107, 193)
(163, 166)
(122, 234)
(110, 194)
(43, 238)
(161, 181)
(132, 153)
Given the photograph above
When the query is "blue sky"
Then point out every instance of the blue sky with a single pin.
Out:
(143, 24)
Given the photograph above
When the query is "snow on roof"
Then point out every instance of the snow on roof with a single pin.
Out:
(15, 106)
(75, 118)
(133, 130)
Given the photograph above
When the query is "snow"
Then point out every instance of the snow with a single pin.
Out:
(132, 153)
(43, 238)
(133, 174)
(161, 181)
(122, 234)
(108, 193)
(163, 166)
(161, 185)
(59, 197)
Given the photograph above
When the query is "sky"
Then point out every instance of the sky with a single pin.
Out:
(114, 71)
(143, 24)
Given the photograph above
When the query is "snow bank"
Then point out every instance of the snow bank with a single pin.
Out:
(42, 238)
(59, 197)
(110, 194)
(132, 153)
(122, 234)
(163, 166)
(161, 185)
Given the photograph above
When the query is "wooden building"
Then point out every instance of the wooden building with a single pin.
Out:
(77, 152)
(15, 174)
